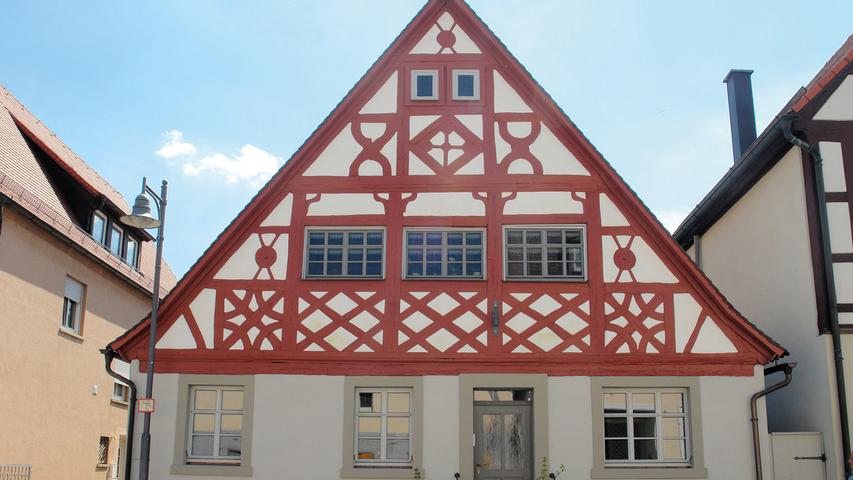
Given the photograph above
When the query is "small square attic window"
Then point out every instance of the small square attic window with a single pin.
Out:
(466, 85)
(424, 84)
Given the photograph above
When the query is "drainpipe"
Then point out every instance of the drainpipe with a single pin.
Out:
(829, 278)
(788, 368)
(3, 201)
(109, 355)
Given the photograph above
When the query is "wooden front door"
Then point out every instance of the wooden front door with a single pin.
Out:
(503, 440)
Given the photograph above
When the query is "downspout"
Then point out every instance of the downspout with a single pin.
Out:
(829, 278)
(109, 355)
(788, 368)
(3, 201)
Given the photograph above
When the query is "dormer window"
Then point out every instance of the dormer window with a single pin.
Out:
(466, 85)
(99, 227)
(424, 84)
(115, 240)
(131, 252)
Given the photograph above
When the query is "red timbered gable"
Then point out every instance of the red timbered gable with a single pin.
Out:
(500, 156)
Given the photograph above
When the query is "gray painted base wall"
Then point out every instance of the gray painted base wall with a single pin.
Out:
(298, 427)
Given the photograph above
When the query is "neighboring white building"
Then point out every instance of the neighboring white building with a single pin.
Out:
(758, 234)
(448, 278)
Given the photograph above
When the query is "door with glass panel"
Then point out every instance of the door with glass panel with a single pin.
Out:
(503, 436)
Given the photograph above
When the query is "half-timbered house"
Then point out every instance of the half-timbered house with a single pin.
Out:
(448, 278)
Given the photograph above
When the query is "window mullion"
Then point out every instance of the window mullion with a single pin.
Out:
(217, 422)
(383, 431)
(630, 413)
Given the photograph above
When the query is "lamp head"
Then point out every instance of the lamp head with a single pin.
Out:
(140, 216)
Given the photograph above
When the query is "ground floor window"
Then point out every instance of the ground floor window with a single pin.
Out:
(103, 450)
(645, 426)
(383, 426)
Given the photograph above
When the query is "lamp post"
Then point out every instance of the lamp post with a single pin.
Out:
(140, 217)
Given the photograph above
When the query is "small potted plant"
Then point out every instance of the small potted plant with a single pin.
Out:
(546, 474)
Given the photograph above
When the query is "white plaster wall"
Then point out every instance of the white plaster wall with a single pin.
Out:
(758, 255)
(840, 103)
(298, 426)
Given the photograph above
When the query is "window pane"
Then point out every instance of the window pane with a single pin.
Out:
(374, 269)
(355, 238)
(672, 427)
(513, 441)
(130, 252)
(355, 254)
(474, 238)
(398, 426)
(369, 402)
(671, 403)
(474, 269)
(230, 446)
(368, 425)
(645, 450)
(398, 402)
(465, 85)
(414, 269)
(315, 268)
(614, 403)
(554, 236)
(336, 238)
(433, 238)
(573, 237)
(555, 254)
(316, 238)
(433, 255)
(616, 427)
(534, 269)
(644, 427)
(473, 254)
(424, 85)
(204, 422)
(98, 228)
(534, 254)
(334, 268)
(335, 254)
(205, 399)
(416, 238)
(674, 450)
(616, 449)
(374, 254)
(643, 402)
(454, 269)
(355, 269)
(454, 238)
(202, 445)
(231, 424)
(492, 442)
(115, 241)
(514, 254)
(533, 236)
(515, 269)
(555, 269)
(454, 255)
(368, 449)
(415, 254)
(514, 236)
(315, 254)
(398, 449)
(232, 400)
(434, 269)
(374, 238)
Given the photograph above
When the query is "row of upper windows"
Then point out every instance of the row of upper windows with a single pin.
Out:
(115, 239)
(426, 85)
(530, 253)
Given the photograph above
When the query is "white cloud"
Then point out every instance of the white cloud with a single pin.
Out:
(671, 219)
(251, 164)
(175, 146)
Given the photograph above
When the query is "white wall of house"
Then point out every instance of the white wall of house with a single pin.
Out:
(758, 255)
(298, 426)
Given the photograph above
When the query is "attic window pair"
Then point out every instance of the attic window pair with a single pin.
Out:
(425, 84)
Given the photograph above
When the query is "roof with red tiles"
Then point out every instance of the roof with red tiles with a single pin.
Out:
(836, 64)
(24, 181)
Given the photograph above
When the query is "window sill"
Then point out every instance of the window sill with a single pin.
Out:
(123, 403)
(380, 472)
(71, 334)
(212, 470)
(101, 465)
(641, 472)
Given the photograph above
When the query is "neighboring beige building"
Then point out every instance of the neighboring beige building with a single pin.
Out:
(71, 279)
(758, 238)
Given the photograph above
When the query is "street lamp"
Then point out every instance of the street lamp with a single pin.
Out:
(140, 217)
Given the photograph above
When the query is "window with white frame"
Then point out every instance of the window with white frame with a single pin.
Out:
(383, 427)
(646, 426)
(545, 252)
(72, 306)
(424, 84)
(344, 253)
(121, 392)
(115, 240)
(131, 251)
(99, 227)
(215, 431)
(432, 253)
(103, 450)
(466, 84)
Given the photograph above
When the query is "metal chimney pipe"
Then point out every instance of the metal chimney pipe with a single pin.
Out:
(741, 110)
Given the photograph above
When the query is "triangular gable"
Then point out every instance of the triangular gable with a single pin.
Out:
(508, 157)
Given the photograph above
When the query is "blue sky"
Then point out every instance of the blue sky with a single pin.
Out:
(214, 95)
